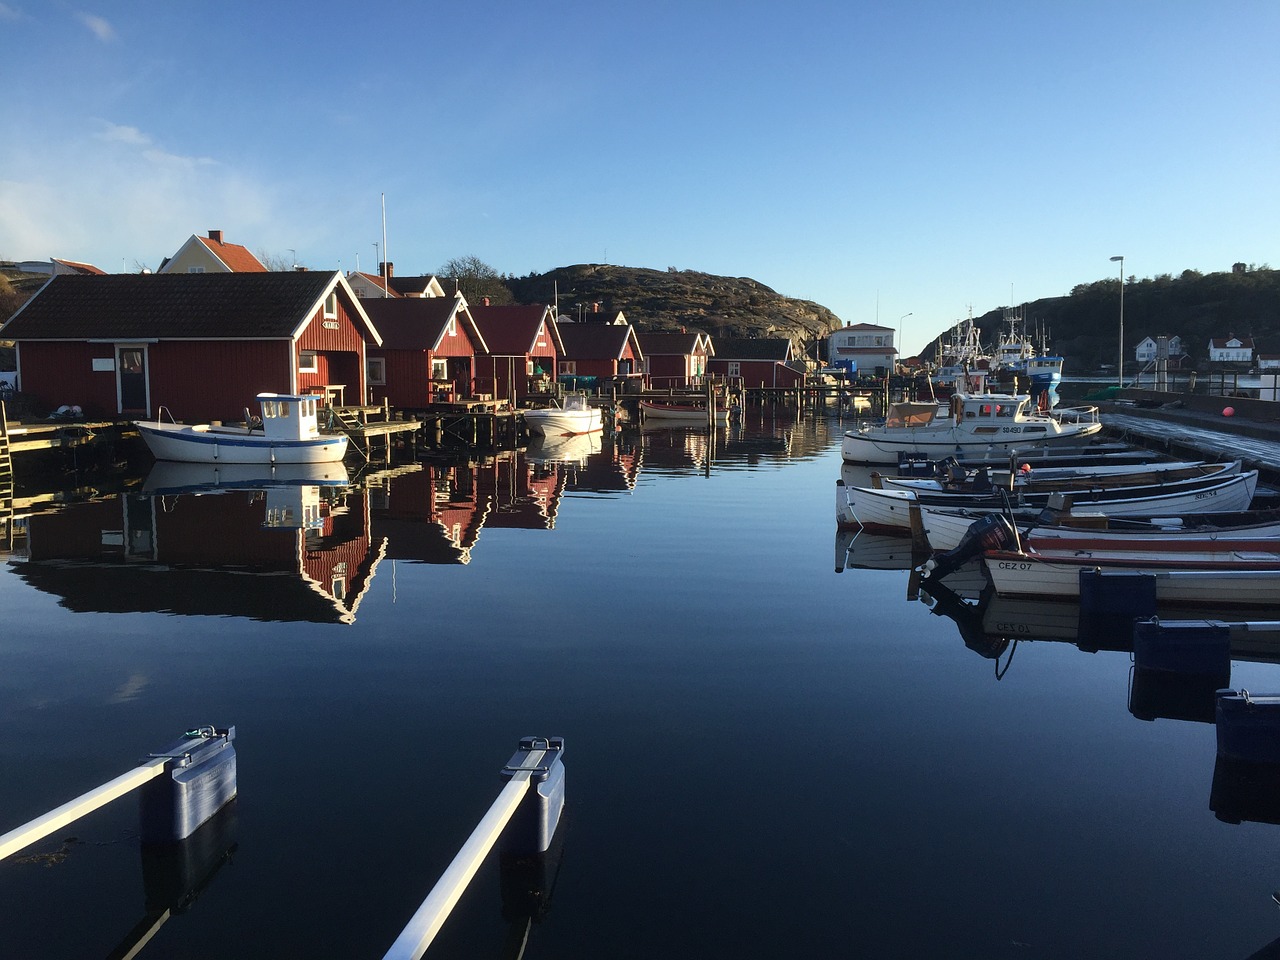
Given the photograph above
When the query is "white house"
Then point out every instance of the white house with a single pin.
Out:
(1145, 351)
(1231, 349)
(862, 347)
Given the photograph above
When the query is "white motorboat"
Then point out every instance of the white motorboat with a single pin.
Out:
(975, 424)
(573, 415)
(289, 433)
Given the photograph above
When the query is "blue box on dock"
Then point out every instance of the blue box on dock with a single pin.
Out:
(1109, 604)
(198, 781)
(1191, 647)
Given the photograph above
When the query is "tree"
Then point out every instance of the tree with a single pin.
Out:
(275, 262)
(476, 279)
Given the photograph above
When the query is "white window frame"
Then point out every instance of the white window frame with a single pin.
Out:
(314, 357)
(735, 368)
(331, 305)
(439, 368)
(569, 368)
(375, 370)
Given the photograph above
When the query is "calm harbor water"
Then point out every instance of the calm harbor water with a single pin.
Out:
(765, 757)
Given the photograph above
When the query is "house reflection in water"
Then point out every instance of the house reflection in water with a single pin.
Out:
(434, 512)
(265, 550)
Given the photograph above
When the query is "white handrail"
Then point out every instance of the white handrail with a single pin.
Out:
(430, 917)
(73, 810)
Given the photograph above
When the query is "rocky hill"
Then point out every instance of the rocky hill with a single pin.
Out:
(654, 300)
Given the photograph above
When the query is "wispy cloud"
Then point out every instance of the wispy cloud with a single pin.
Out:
(118, 133)
(10, 13)
(99, 27)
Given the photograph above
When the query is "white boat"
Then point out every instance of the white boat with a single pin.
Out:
(1046, 479)
(945, 527)
(289, 433)
(1246, 580)
(976, 424)
(945, 518)
(573, 415)
(681, 412)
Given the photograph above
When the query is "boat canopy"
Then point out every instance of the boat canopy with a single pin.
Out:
(910, 414)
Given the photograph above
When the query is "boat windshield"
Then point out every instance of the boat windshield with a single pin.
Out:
(910, 414)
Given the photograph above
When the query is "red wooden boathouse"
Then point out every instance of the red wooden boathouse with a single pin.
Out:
(202, 345)
(428, 351)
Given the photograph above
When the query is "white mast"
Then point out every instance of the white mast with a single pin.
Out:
(386, 271)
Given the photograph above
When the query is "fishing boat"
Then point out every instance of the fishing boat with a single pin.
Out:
(955, 479)
(682, 412)
(945, 517)
(975, 423)
(288, 432)
(1196, 511)
(1225, 577)
(571, 416)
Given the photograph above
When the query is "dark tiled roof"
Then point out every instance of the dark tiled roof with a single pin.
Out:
(410, 323)
(406, 286)
(658, 344)
(510, 331)
(593, 341)
(201, 306)
(765, 348)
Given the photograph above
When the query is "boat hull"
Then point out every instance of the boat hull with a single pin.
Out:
(203, 444)
(559, 423)
(945, 526)
(1241, 584)
(871, 447)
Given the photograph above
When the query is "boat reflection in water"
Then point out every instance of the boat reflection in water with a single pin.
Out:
(285, 544)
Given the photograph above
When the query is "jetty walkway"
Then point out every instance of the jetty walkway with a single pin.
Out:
(1187, 425)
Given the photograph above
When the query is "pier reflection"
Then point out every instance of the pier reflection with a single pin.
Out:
(175, 874)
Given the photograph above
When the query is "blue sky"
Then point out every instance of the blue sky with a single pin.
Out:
(881, 159)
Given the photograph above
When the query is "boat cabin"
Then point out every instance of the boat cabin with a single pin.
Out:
(287, 417)
(995, 407)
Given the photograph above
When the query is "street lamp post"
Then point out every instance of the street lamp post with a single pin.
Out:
(1120, 370)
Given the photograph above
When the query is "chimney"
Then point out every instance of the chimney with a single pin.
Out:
(595, 307)
(485, 301)
(387, 270)
(215, 236)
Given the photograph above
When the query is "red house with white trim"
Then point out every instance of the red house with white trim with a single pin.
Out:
(599, 350)
(202, 345)
(758, 363)
(428, 351)
(675, 360)
(524, 346)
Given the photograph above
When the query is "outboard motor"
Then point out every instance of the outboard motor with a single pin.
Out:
(992, 532)
(968, 617)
